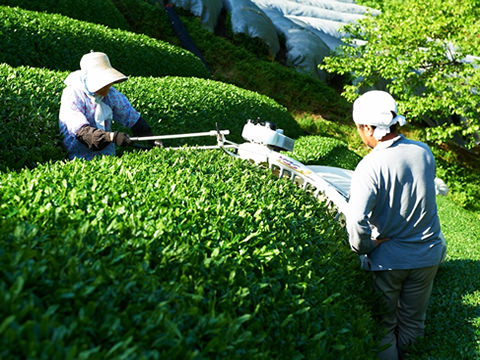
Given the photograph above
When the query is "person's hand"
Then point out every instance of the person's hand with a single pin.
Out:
(121, 139)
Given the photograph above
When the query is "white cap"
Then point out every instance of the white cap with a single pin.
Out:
(98, 72)
(377, 108)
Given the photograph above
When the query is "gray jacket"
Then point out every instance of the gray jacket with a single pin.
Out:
(392, 195)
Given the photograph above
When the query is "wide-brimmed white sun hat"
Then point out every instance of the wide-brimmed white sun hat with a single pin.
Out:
(377, 108)
(98, 72)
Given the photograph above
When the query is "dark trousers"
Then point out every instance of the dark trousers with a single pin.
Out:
(405, 295)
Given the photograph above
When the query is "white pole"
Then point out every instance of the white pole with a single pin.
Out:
(177, 136)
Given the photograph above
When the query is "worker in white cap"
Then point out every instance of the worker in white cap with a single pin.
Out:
(90, 104)
(392, 220)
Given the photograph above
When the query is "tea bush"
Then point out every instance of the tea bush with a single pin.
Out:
(179, 105)
(139, 16)
(30, 101)
(164, 254)
(57, 42)
(319, 150)
(97, 11)
(29, 105)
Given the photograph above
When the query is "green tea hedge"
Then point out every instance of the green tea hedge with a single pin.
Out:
(29, 105)
(164, 254)
(184, 105)
(134, 15)
(30, 101)
(57, 42)
(96, 11)
(319, 150)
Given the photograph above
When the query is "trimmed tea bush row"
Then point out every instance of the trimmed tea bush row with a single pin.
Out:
(97, 11)
(30, 101)
(57, 42)
(164, 254)
(176, 104)
(29, 105)
(320, 150)
(132, 15)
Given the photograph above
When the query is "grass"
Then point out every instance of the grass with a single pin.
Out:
(453, 318)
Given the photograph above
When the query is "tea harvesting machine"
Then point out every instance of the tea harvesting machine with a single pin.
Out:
(266, 145)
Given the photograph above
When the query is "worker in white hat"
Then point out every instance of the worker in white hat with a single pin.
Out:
(90, 104)
(392, 219)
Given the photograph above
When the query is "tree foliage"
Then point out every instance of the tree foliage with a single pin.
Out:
(425, 53)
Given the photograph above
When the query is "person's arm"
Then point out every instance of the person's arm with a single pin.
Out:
(97, 139)
(71, 117)
(141, 128)
(360, 204)
(360, 235)
(125, 114)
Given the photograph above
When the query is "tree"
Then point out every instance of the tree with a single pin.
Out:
(425, 53)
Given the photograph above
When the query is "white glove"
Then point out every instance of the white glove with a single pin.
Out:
(440, 187)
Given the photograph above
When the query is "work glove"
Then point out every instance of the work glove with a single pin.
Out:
(121, 139)
(95, 139)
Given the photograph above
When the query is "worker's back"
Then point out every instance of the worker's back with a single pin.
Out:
(397, 180)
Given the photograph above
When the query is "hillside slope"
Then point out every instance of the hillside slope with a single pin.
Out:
(166, 254)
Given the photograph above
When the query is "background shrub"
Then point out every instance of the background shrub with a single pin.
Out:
(148, 19)
(319, 150)
(462, 176)
(179, 105)
(58, 43)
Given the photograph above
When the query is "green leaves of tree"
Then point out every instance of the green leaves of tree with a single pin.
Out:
(421, 52)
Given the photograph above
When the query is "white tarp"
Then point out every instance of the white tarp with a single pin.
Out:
(345, 7)
(207, 10)
(247, 18)
(323, 17)
(311, 27)
(304, 49)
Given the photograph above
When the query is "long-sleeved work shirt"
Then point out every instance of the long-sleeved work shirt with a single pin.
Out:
(392, 195)
(77, 109)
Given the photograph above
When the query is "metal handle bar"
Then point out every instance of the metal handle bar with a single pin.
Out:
(177, 136)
